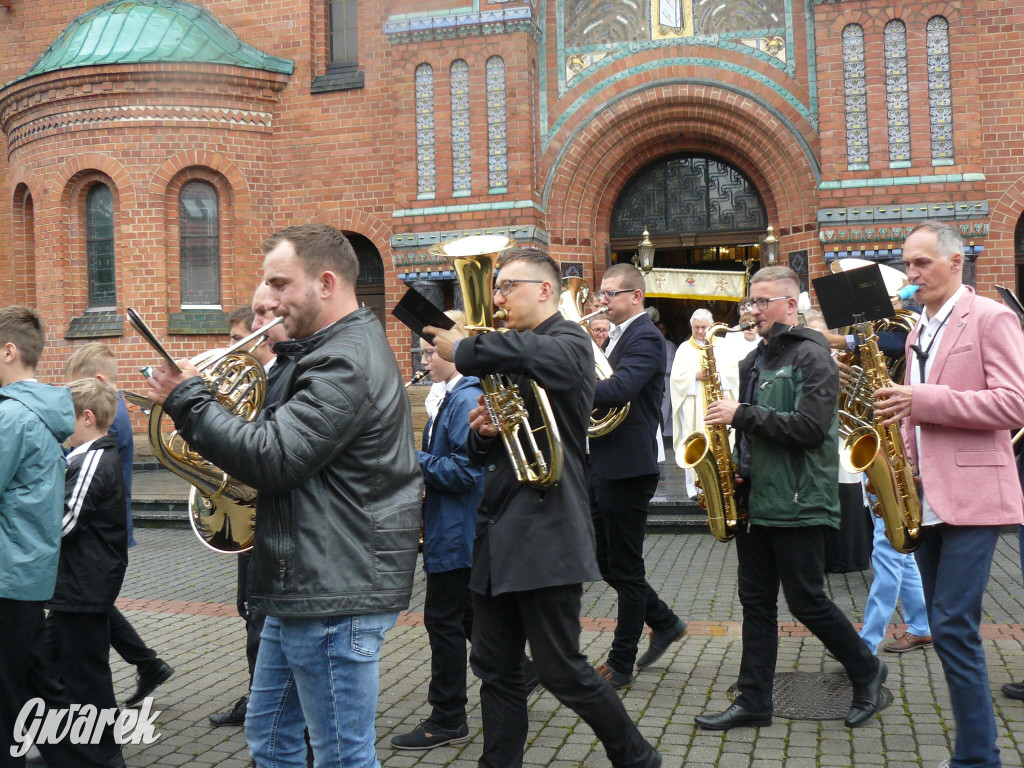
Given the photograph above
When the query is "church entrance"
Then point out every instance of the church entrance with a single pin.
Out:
(702, 214)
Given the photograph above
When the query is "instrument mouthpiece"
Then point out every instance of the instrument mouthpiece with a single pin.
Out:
(907, 291)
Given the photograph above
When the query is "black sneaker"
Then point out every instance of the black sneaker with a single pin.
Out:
(1014, 691)
(148, 682)
(235, 715)
(660, 641)
(428, 735)
(615, 678)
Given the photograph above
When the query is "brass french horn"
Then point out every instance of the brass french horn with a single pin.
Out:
(571, 303)
(221, 508)
(474, 258)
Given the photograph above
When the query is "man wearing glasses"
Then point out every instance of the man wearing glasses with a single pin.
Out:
(786, 423)
(624, 474)
(534, 547)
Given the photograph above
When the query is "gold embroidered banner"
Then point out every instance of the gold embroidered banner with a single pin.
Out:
(695, 284)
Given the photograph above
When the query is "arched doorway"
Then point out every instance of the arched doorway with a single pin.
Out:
(370, 286)
(701, 213)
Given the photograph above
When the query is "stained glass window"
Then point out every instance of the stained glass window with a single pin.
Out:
(462, 166)
(940, 98)
(426, 172)
(99, 246)
(199, 242)
(897, 91)
(497, 125)
(856, 90)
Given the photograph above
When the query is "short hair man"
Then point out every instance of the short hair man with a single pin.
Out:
(338, 505)
(454, 489)
(241, 323)
(687, 391)
(34, 419)
(624, 466)
(600, 326)
(787, 417)
(535, 547)
(963, 391)
(97, 361)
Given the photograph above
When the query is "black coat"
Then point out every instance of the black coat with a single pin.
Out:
(339, 486)
(527, 538)
(94, 535)
(638, 362)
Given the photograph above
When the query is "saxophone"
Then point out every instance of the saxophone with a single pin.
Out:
(879, 452)
(708, 453)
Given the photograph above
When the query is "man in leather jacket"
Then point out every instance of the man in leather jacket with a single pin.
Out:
(339, 503)
(535, 547)
(787, 458)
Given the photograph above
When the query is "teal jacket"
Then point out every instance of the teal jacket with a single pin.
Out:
(793, 464)
(34, 420)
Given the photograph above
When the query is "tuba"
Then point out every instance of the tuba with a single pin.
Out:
(572, 300)
(879, 452)
(474, 260)
(708, 453)
(221, 508)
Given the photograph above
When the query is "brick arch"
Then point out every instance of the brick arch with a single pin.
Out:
(594, 163)
(1003, 219)
(122, 183)
(25, 176)
(874, 20)
(179, 162)
(366, 224)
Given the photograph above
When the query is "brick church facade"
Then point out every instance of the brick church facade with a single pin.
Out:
(152, 145)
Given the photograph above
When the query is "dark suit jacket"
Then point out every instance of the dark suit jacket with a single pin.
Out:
(638, 362)
(527, 538)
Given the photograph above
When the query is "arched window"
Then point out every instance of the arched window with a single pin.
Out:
(199, 245)
(426, 170)
(897, 92)
(99, 246)
(462, 166)
(940, 98)
(497, 126)
(856, 91)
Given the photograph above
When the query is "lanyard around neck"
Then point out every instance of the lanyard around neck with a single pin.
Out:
(922, 355)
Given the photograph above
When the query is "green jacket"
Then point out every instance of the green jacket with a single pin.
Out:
(793, 462)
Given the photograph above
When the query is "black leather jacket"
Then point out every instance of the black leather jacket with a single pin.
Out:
(339, 486)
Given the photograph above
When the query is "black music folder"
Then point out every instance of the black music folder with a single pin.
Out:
(855, 296)
(1011, 300)
(417, 312)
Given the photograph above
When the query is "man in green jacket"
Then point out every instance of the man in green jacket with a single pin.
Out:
(787, 460)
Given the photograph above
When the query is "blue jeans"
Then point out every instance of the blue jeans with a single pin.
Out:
(955, 561)
(320, 673)
(896, 578)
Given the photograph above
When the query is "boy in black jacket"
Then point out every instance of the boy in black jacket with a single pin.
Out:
(93, 558)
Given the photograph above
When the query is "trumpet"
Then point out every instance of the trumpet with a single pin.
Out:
(221, 508)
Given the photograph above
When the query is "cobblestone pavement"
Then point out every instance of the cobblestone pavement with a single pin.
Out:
(180, 597)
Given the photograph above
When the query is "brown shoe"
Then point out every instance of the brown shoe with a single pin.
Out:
(908, 642)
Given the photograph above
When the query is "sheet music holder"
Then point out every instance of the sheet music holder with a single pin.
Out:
(417, 312)
(853, 297)
(1011, 300)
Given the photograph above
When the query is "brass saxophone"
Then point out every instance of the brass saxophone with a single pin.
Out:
(708, 453)
(879, 452)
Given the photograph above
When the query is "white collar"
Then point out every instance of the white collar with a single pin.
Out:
(81, 449)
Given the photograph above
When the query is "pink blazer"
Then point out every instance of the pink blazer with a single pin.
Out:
(973, 398)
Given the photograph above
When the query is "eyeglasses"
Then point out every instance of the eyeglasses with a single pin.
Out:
(597, 331)
(505, 286)
(762, 304)
(428, 354)
(602, 295)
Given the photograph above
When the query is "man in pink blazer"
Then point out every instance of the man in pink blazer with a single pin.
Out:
(963, 392)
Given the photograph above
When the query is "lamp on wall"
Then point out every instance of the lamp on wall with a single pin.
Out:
(644, 259)
(769, 249)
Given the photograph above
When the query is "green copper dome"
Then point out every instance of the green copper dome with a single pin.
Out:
(145, 31)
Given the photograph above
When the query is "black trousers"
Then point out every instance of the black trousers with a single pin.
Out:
(795, 558)
(253, 618)
(619, 511)
(448, 617)
(129, 646)
(23, 676)
(550, 620)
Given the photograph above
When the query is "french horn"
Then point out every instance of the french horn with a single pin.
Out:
(221, 508)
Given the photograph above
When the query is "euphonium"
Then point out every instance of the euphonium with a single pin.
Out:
(575, 292)
(474, 260)
(879, 452)
(708, 453)
(221, 508)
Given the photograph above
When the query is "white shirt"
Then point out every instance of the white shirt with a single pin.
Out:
(929, 338)
(615, 333)
(448, 387)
